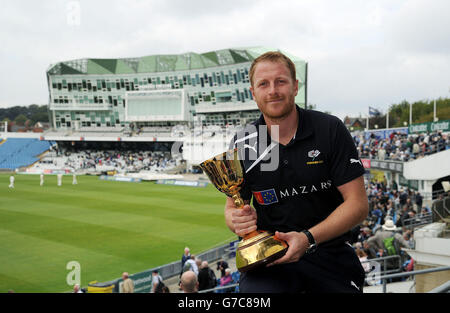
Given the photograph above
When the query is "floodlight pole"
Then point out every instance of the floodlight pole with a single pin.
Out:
(410, 113)
(387, 119)
(434, 111)
(368, 115)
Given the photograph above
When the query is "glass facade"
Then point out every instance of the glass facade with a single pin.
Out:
(92, 93)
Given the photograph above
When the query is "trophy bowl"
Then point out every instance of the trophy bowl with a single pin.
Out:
(225, 171)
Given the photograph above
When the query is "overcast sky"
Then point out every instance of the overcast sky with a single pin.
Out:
(359, 53)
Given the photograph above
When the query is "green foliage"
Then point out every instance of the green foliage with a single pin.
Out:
(39, 117)
(422, 111)
(35, 113)
(20, 119)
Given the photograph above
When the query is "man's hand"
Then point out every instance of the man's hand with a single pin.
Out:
(244, 220)
(298, 243)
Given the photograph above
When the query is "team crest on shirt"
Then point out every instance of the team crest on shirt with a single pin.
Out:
(266, 197)
(313, 154)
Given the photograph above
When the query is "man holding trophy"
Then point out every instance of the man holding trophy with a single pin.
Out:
(302, 170)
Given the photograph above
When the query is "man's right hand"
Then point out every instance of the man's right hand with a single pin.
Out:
(244, 220)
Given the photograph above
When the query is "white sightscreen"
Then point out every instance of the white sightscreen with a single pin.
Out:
(157, 105)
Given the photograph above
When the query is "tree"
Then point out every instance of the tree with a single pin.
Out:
(422, 112)
(39, 117)
(37, 113)
(20, 119)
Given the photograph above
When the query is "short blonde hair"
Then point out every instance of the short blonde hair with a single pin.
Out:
(273, 56)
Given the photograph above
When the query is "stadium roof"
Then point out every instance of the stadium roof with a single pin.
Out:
(160, 63)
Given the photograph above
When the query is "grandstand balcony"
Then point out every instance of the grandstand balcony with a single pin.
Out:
(226, 107)
(80, 106)
(431, 167)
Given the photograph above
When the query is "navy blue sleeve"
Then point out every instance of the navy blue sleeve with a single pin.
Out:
(345, 162)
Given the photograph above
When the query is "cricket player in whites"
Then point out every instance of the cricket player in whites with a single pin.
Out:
(11, 181)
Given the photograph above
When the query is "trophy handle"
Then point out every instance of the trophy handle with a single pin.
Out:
(238, 201)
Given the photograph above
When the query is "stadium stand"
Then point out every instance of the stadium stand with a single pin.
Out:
(402, 147)
(20, 152)
(407, 212)
(131, 159)
(401, 205)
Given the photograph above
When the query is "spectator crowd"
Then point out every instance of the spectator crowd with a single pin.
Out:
(104, 160)
(401, 147)
(392, 214)
(197, 272)
(196, 275)
(121, 161)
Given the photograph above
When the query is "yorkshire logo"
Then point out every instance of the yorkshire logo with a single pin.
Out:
(266, 197)
(314, 154)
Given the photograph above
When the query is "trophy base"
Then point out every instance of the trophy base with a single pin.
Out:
(259, 250)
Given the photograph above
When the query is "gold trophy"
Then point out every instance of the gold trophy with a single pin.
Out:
(258, 247)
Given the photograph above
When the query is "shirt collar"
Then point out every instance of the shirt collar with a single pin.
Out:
(304, 126)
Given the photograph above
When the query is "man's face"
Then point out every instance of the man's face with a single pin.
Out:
(273, 89)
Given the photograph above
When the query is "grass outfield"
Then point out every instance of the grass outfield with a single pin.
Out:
(108, 227)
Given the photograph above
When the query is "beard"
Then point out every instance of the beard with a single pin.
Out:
(277, 111)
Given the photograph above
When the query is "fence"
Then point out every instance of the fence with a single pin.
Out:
(418, 220)
(387, 262)
(143, 280)
(441, 209)
(444, 288)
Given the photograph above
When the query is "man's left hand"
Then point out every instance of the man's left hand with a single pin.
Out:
(298, 243)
